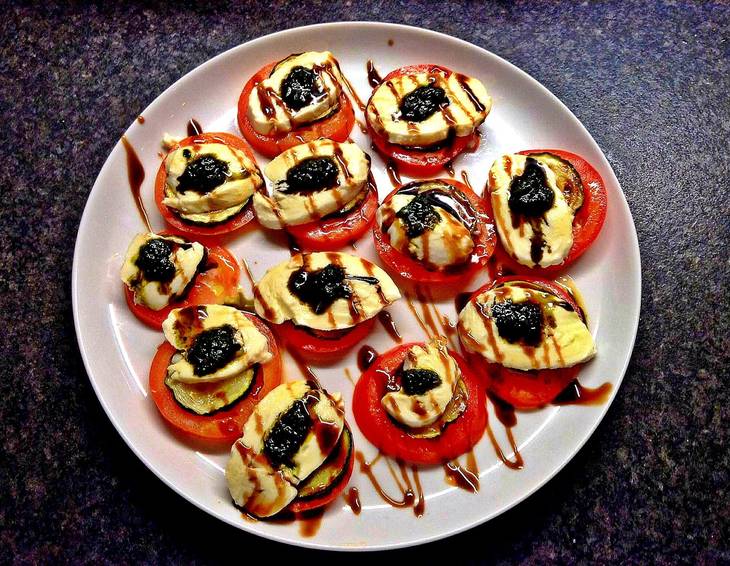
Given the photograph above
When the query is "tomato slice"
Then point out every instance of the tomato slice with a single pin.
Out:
(223, 425)
(413, 270)
(323, 346)
(337, 126)
(377, 426)
(421, 162)
(346, 459)
(232, 224)
(328, 234)
(216, 285)
(587, 223)
(526, 389)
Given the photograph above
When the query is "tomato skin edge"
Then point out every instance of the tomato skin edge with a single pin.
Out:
(587, 223)
(336, 127)
(199, 292)
(411, 270)
(333, 234)
(522, 389)
(456, 439)
(315, 349)
(207, 234)
(226, 424)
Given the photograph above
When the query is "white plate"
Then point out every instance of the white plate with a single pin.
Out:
(117, 349)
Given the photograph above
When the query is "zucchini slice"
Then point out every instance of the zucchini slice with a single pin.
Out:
(456, 406)
(209, 397)
(329, 473)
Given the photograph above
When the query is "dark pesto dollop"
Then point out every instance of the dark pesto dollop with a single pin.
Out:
(155, 261)
(320, 288)
(300, 88)
(203, 174)
(212, 349)
(418, 381)
(529, 193)
(519, 322)
(310, 175)
(287, 435)
(419, 215)
(422, 103)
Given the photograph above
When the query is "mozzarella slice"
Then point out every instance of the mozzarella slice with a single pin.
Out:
(370, 288)
(417, 411)
(157, 295)
(548, 237)
(265, 487)
(183, 326)
(223, 201)
(269, 113)
(468, 107)
(448, 243)
(565, 339)
(287, 208)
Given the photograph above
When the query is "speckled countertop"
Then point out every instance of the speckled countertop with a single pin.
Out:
(649, 80)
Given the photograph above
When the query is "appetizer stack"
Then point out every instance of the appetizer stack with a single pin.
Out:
(218, 374)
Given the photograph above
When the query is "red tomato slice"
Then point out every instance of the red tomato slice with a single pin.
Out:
(526, 389)
(375, 423)
(215, 285)
(223, 425)
(333, 233)
(421, 162)
(346, 460)
(413, 270)
(587, 223)
(336, 127)
(324, 346)
(187, 228)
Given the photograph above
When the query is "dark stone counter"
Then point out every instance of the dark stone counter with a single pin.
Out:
(649, 80)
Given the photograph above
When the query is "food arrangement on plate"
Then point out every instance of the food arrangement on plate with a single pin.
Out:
(218, 376)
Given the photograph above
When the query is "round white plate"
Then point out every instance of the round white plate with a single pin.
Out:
(117, 349)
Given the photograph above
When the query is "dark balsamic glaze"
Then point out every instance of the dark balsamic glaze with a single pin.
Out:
(352, 498)
(310, 521)
(461, 299)
(409, 497)
(577, 394)
(464, 477)
(366, 356)
(374, 78)
(392, 169)
(449, 168)
(391, 43)
(140, 119)
(194, 128)
(135, 175)
(386, 320)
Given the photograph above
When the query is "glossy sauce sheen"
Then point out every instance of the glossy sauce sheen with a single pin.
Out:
(135, 175)
(466, 478)
(409, 497)
(577, 394)
(386, 320)
(352, 498)
(374, 78)
(194, 128)
(365, 357)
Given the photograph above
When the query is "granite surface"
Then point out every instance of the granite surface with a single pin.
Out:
(650, 80)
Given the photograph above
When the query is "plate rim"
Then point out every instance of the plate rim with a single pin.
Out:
(312, 544)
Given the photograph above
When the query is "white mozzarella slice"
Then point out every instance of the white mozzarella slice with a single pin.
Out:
(566, 340)
(225, 200)
(468, 107)
(448, 243)
(253, 480)
(182, 326)
(275, 302)
(417, 411)
(155, 294)
(267, 111)
(284, 208)
(553, 230)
